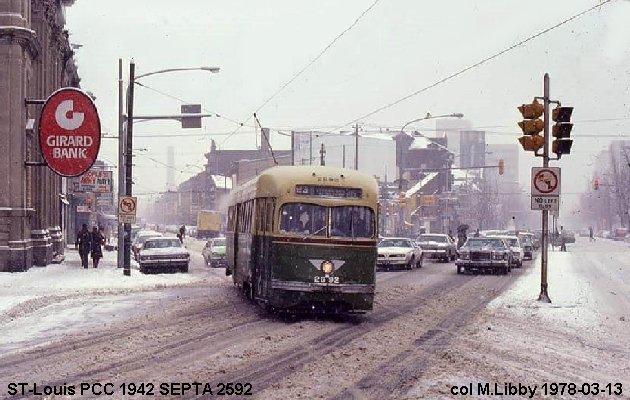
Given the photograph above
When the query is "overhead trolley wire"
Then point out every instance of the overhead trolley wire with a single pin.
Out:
(300, 72)
(477, 64)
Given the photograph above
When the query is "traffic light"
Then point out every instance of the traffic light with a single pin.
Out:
(402, 199)
(501, 167)
(596, 184)
(562, 130)
(531, 126)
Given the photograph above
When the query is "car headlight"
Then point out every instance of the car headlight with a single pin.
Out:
(505, 256)
(144, 258)
(499, 256)
(464, 256)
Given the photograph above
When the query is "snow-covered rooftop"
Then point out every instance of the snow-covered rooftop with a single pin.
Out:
(421, 184)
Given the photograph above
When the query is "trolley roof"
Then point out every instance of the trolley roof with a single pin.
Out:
(280, 181)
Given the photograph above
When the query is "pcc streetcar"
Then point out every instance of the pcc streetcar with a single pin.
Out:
(303, 238)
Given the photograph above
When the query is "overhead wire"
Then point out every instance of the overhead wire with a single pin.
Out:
(300, 72)
(477, 64)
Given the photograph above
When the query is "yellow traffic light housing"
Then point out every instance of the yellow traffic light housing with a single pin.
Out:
(532, 143)
(402, 199)
(501, 166)
(532, 111)
(532, 125)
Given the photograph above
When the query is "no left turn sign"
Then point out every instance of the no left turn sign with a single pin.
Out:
(127, 206)
(545, 181)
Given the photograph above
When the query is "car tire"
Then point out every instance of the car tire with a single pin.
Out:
(419, 263)
(410, 264)
(459, 270)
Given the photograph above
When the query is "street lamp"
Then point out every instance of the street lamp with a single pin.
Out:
(400, 158)
(125, 144)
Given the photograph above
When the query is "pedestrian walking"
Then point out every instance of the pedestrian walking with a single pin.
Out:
(84, 244)
(182, 232)
(97, 240)
(590, 234)
(563, 243)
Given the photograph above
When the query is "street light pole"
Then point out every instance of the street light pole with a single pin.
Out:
(125, 149)
(129, 163)
(121, 160)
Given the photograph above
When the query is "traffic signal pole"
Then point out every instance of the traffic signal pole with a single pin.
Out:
(129, 164)
(544, 288)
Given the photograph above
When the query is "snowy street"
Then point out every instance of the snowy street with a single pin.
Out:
(431, 330)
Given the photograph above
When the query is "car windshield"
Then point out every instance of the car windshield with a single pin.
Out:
(432, 238)
(512, 241)
(162, 243)
(315, 220)
(487, 242)
(219, 242)
(395, 243)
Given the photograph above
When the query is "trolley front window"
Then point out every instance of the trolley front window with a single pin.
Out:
(303, 218)
(312, 219)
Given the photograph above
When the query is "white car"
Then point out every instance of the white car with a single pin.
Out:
(518, 254)
(398, 253)
(163, 253)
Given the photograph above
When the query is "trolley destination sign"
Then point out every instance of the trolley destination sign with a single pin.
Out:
(69, 132)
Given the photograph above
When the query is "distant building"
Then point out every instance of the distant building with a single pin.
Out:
(452, 128)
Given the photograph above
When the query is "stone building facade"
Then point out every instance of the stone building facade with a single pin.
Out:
(35, 59)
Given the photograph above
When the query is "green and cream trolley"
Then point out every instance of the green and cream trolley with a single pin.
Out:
(303, 238)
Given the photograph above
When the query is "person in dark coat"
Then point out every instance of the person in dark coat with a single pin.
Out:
(97, 240)
(84, 244)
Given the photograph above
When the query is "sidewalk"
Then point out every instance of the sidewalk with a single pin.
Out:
(70, 278)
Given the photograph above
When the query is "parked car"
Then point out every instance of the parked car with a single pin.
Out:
(517, 250)
(398, 252)
(214, 252)
(138, 242)
(483, 254)
(163, 253)
(437, 245)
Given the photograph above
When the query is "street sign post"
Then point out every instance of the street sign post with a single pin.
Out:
(69, 132)
(127, 206)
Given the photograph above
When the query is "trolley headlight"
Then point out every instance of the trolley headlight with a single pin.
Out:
(327, 267)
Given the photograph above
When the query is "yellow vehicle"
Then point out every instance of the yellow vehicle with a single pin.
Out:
(304, 238)
(209, 223)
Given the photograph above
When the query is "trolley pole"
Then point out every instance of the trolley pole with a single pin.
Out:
(544, 287)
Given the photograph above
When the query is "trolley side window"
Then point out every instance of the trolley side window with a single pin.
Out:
(352, 221)
(303, 218)
(230, 221)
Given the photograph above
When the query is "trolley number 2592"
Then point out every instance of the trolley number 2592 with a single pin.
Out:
(326, 279)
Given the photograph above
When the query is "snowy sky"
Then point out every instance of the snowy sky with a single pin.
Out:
(397, 48)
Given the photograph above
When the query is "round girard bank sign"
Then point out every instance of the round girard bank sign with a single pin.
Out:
(69, 132)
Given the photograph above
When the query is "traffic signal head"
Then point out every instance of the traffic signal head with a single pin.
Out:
(403, 199)
(501, 166)
(532, 111)
(596, 184)
(532, 143)
(532, 125)
(562, 130)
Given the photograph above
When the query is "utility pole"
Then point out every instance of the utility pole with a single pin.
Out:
(356, 146)
(292, 147)
(322, 155)
(544, 294)
(310, 156)
(121, 161)
(343, 159)
(129, 163)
